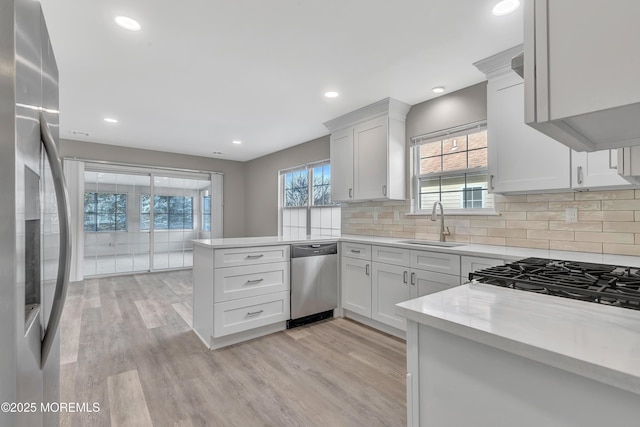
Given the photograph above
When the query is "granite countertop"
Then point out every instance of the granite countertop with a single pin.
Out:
(592, 340)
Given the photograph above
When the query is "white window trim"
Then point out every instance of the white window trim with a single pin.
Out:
(416, 142)
(281, 194)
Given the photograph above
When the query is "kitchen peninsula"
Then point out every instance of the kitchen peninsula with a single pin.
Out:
(241, 287)
(489, 356)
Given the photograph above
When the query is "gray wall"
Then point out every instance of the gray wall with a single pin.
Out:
(261, 183)
(234, 172)
(251, 188)
(458, 108)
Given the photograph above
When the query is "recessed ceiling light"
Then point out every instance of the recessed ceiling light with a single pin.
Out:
(438, 89)
(110, 120)
(127, 23)
(217, 153)
(79, 132)
(331, 94)
(237, 142)
(505, 7)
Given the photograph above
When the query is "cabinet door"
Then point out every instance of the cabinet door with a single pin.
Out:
(520, 157)
(427, 282)
(390, 285)
(596, 169)
(370, 159)
(342, 165)
(356, 285)
(591, 67)
(469, 264)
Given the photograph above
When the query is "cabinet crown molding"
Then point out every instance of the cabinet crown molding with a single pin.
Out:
(385, 107)
(498, 63)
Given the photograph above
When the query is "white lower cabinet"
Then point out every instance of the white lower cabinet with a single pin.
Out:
(469, 264)
(243, 314)
(427, 282)
(389, 286)
(376, 278)
(396, 279)
(355, 278)
(240, 293)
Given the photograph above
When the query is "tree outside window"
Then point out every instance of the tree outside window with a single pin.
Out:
(169, 212)
(105, 212)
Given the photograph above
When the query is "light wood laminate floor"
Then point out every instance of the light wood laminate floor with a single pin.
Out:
(127, 344)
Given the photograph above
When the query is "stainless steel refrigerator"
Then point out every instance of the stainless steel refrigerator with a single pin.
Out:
(34, 222)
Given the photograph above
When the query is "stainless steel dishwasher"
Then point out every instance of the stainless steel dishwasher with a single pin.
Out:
(314, 282)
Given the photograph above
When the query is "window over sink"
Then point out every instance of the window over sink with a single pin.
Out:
(450, 166)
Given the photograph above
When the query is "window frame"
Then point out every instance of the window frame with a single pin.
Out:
(206, 214)
(310, 201)
(193, 222)
(115, 212)
(417, 142)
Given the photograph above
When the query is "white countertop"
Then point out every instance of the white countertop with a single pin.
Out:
(592, 340)
(508, 253)
(238, 242)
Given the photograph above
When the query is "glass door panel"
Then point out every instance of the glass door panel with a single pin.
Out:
(178, 211)
(114, 241)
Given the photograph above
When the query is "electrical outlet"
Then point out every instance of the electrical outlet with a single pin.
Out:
(375, 215)
(571, 215)
(396, 215)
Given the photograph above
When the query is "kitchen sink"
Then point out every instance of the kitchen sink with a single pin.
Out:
(432, 243)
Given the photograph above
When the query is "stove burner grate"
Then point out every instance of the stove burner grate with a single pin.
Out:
(598, 283)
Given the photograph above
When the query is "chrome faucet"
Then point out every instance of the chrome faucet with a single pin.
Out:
(442, 227)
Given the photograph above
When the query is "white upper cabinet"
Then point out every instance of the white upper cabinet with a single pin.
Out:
(598, 169)
(341, 147)
(521, 159)
(368, 155)
(581, 70)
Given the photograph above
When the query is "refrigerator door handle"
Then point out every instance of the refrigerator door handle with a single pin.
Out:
(64, 260)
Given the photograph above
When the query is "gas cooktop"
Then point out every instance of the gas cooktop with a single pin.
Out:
(598, 283)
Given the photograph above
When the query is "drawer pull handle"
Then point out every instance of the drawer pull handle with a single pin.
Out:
(255, 256)
(413, 279)
(366, 270)
(254, 313)
(355, 251)
(255, 281)
(404, 277)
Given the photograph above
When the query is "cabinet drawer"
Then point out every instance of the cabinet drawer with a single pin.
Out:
(243, 314)
(253, 255)
(435, 261)
(356, 250)
(390, 255)
(242, 282)
(469, 264)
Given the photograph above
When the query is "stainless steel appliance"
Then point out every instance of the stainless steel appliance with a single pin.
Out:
(34, 221)
(314, 282)
(599, 283)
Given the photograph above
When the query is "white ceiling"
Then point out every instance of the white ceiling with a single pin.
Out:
(202, 73)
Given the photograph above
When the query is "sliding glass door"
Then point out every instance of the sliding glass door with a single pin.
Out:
(180, 212)
(113, 240)
(136, 220)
